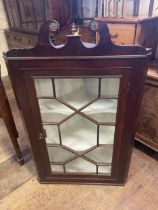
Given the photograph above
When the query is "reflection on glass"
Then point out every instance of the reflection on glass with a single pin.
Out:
(106, 134)
(58, 154)
(44, 87)
(104, 170)
(101, 155)
(53, 111)
(52, 134)
(79, 165)
(78, 133)
(103, 110)
(110, 87)
(57, 168)
(77, 92)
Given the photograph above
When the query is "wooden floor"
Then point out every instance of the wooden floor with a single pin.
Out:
(20, 190)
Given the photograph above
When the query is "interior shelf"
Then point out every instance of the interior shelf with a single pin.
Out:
(101, 154)
(77, 92)
(103, 110)
(53, 111)
(58, 154)
(80, 166)
(66, 161)
(86, 133)
(78, 133)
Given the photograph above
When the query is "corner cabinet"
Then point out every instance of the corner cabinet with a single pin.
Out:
(80, 102)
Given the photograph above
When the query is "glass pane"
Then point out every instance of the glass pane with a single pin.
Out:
(53, 111)
(68, 130)
(57, 168)
(80, 165)
(58, 154)
(110, 87)
(77, 92)
(104, 169)
(78, 133)
(106, 134)
(103, 110)
(101, 155)
(44, 87)
(52, 134)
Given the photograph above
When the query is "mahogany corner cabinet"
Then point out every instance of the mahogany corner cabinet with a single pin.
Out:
(80, 104)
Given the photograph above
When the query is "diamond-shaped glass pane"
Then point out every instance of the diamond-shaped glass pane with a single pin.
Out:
(79, 165)
(52, 134)
(58, 154)
(104, 169)
(53, 111)
(57, 168)
(77, 92)
(44, 87)
(110, 87)
(103, 110)
(101, 155)
(106, 134)
(78, 133)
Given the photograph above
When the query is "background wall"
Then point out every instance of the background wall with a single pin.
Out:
(3, 43)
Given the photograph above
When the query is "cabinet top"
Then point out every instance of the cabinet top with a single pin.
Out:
(74, 48)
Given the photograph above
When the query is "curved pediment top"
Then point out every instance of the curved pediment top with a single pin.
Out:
(53, 26)
(74, 46)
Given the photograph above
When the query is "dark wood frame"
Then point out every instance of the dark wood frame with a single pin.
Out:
(97, 61)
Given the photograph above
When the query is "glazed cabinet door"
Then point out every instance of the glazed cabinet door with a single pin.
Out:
(79, 122)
